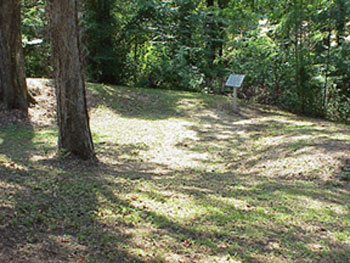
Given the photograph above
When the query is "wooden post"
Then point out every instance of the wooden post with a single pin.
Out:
(235, 99)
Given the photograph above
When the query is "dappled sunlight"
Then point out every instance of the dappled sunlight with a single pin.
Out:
(230, 201)
(176, 206)
(235, 219)
(321, 206)
(5, 160)
(212, 138)
(195, 183)
(11, 164)
(187, 104)
(42, 113)
(7, 189)
(307, 163)
(39, 157)
(160, 138)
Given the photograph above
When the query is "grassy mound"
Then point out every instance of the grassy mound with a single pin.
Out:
(182, 178)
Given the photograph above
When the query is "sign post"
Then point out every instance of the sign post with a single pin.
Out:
(235, 81)
(235, 99)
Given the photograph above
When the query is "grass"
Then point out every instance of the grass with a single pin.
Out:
(181, 179)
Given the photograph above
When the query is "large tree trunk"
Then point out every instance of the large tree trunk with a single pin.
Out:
(72, 115)
(13, 88)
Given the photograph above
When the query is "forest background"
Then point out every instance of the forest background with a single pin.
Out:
(295, 53)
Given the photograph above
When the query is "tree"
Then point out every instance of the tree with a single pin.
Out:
(100, 32)
(215, 35)
(35, 42)
(72, 115)
(13, 88)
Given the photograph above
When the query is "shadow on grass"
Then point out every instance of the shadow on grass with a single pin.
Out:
(50, 214)
(255, 143)
(53, 212)
(149, 104)
(260, 225)
(69, 211)
(265, 228)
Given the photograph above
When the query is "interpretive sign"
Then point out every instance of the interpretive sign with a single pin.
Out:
(235, 80)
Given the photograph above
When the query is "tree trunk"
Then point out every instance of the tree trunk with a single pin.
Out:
(102, 58)
(72, 114)
(210, 3)
(220, 45)
(13, 88)
(211, 33)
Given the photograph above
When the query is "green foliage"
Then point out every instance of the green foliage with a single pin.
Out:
(345, 174)
(173, 72)
(338, 95)
(296, 57)
(35, 38)
(159, 44)
(100, 29)
(295, 53)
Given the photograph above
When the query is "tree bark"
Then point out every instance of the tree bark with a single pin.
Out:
(220, 46)
(210, 3)
(13, 88)
(211, 33)
(72, 115)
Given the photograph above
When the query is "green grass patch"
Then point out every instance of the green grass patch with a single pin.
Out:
(182, 178)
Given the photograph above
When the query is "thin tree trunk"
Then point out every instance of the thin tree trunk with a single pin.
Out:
(220, 46)
(298, 55)
(210, 47)
(325, 88)
(13, 88)
(72, 116)
(210, 3)
(212, 34)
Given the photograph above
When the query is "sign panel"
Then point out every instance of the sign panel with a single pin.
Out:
(235, 80)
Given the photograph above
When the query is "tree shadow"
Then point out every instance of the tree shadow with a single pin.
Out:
(56, 214)
(270, 139)
(55, 210)
(150, 104)
(238, 224)
(49, 213)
